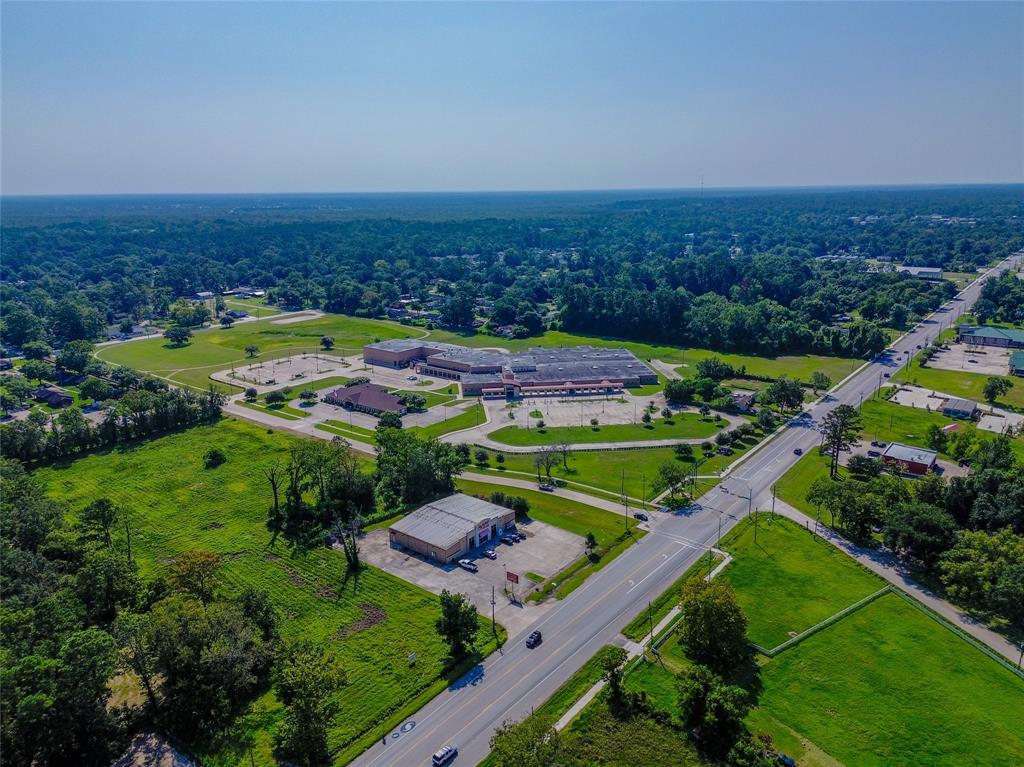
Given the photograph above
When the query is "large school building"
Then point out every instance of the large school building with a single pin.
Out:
(570, 371)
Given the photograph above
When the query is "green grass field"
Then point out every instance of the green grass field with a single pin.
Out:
(889, 686)
(886, 685)
(372, 622)
(799, 366)
(793, 485)
(281, 411)
(349, 431)
(609, 470)
(612, 472)
(789, 580)
(217, 349)
(960, 383)
(471, 416)
(681, 426)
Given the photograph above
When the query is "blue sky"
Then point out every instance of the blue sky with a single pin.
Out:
(295, 97)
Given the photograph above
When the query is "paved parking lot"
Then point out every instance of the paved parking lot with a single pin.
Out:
(624, 407)
(917, 397)
(984, 360)
(546, 550)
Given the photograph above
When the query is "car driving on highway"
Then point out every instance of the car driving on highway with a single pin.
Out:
(534, 639)
(445, 756)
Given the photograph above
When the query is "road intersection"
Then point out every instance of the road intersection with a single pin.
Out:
(509, 684)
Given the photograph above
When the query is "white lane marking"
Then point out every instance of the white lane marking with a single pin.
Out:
(682, 547)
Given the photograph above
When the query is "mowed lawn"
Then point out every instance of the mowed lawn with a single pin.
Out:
(215, 349)
(889, 686)
(792, 487)
(680, 426)
(790, 580)
(794, 366)
(961, 383)
(613, 471)
(372, 622)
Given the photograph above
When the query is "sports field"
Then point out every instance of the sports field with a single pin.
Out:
(373, 622)
(794, 366)
(217, 349)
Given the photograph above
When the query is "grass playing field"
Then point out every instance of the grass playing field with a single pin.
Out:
(216, 349)
(793, 366)
(372, 622)
(680, 426)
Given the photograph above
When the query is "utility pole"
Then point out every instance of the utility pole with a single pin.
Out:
(494, 626)
(773, 501)
(650, 617)
(643, 491)
(622, 492)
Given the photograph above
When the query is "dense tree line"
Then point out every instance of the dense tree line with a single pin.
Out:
(75, 611)
(669, 267)
(968, 531)
(1001, 300)
(139, 413)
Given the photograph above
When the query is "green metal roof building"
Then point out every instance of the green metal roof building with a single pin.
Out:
(1017, 364)
(988, 335)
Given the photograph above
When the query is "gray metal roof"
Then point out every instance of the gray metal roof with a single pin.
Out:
(960, 405)
(399, 345)
(909, 454)
(447, 521)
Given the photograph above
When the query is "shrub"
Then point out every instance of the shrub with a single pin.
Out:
(213, 458)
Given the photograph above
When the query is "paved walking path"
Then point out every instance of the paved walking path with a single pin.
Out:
(889, 567)
(561, 492)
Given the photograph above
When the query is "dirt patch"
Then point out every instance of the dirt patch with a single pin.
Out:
(295, 577)
(214, 526)
(326, 592)
(372, 615)
(270, 556)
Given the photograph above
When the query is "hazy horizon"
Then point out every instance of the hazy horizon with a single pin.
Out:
(273, 98)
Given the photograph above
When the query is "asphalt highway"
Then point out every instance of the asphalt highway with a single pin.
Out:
(509, 684)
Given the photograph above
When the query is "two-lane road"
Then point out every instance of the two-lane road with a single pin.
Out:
(509, 685)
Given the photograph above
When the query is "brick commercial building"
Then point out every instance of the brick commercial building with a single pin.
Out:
(367, 397)
(1007, 338)
(912, 460)
(447, 528)
(572, 371)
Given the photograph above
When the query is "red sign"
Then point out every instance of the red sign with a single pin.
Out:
(512, 577)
